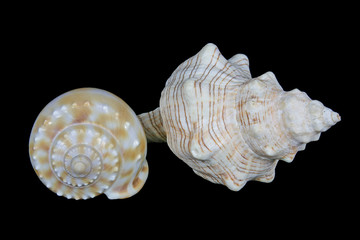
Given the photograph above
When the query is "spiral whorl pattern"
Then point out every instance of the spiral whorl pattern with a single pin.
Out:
(87, 142)
(79, 163)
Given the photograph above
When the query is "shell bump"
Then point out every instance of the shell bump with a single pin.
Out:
(87, 142)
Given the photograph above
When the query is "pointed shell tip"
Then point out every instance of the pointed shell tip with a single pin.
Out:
(335, 117)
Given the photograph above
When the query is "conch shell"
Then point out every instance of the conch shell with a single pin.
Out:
(229, 127)
(87, 142)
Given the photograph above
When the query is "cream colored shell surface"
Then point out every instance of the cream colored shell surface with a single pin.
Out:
(229, 127)
(87, 142)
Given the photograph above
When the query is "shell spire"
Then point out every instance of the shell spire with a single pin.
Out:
(304, 118)
(322, 117)
(230, 127)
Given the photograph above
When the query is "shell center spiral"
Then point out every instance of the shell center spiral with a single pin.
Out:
(75, 157)
(80, 166)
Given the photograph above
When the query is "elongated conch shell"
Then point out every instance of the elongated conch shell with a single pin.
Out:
(87, 142)
(229, 127)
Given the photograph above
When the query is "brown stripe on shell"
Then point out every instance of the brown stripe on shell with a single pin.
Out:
(79, 112)
(42, 144)
(136, 183)
(48, 174)
(127, 173)
(153, 126)
(177, 92)
(122, 190)
(156, 122)
(42, 159)
(171, 92)
(215, 107)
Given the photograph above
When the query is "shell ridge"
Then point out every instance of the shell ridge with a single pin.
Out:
(180, 118)
(270, 79)
(241, 63)
(212, 78)
(188, 87)
(215, 105)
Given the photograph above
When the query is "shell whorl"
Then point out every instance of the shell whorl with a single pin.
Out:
(87, 142)
(229, 127)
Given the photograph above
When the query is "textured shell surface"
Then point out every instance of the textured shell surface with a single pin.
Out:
(229, 127)
(86, 142)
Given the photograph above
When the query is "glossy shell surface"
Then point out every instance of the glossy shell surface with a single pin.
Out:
(87, 142)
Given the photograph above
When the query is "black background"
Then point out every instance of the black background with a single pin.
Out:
(132, 54)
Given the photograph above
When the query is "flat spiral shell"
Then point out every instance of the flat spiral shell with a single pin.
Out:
(87, 142)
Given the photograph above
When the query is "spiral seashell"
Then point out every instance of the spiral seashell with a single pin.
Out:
(229, 127)
(87, 142)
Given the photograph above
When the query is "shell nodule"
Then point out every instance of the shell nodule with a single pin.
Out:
(83, 144)
(229, 127)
